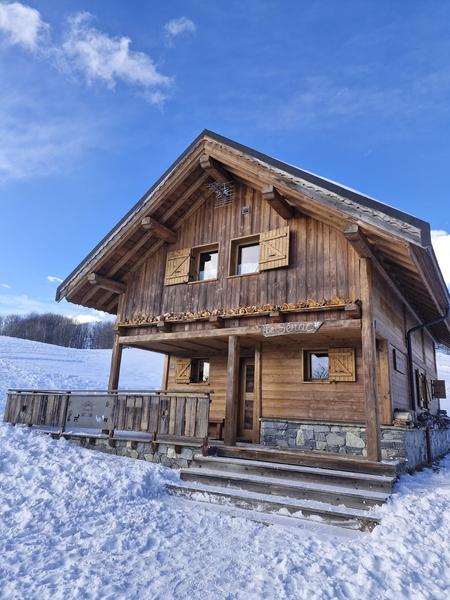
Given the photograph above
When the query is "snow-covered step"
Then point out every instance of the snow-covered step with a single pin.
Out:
(364, 481)
(331, 494)
(266, 503)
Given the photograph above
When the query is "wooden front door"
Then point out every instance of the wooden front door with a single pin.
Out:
(247, 421)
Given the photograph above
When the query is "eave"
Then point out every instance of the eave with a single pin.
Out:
(401, 241)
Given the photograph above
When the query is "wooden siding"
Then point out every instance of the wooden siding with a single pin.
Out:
(286, 395)
(393, 320)
(321, 265)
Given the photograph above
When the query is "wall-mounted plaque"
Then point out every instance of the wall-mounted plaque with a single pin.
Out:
(89, 412)
(270, 330)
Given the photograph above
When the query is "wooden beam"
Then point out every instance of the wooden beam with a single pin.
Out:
(359, 242)
(333, 327)
(116, 359)
(232, 393)
(276, 201)
(158, 230)
(106, 283)
(369, 356)
(215, 169)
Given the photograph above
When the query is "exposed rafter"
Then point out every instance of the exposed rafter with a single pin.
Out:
(273, 197)
(158, 230)
(106, 283)
(215, 169)
(360, 243)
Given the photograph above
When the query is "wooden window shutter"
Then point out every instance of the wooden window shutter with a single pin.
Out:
(342, 364)
(178, 266)
(274, 249)
(183, 370)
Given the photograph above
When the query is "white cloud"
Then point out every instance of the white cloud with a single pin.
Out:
(22, 25)
(54, 279)
(6, 286)
(177, 26)
(441, 244)
(99, 57)
(22, 304)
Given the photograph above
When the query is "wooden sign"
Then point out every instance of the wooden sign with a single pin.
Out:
(270, 330)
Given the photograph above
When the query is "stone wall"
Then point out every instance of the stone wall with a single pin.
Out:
(166, 454)
(405, 445)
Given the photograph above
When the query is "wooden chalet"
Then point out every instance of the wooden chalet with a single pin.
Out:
(289, 298)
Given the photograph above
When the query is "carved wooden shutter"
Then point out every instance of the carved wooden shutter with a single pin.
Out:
(178, 266)
(342, 364)
(438, 387)
(183, 370)
(274, 249)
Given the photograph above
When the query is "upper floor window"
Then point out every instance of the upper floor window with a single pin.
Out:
(207, 265)
(247, 259)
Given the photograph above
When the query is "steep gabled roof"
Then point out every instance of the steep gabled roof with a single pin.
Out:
(390, 232)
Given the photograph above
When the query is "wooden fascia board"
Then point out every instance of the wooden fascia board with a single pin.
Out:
(284, 181)
(131, 221)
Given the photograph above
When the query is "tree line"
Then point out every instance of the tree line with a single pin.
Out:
(58, 329)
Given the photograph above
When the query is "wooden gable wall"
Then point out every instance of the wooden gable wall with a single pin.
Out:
(322, 264)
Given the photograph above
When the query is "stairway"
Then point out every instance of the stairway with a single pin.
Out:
(304, 486)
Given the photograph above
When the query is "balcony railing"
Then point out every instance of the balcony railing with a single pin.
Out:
(165, 416)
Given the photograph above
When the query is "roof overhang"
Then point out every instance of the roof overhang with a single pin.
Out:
(402, 241)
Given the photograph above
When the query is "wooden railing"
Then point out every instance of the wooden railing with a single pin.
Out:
(170, 417)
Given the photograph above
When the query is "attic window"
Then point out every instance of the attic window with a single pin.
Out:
(223, 192)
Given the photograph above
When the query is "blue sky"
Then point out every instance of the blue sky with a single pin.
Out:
(98, 98)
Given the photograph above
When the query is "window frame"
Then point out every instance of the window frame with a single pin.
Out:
(307, 365)
(196, 252)
(195, 370)
(235, 245)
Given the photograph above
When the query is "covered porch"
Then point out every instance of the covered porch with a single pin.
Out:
(252, 379)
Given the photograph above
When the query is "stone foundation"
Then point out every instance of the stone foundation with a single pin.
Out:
(408, 446)
(166, 454)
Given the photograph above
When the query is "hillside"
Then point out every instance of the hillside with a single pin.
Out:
(75, 523)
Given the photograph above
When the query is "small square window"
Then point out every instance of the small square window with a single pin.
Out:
(199, 370)
(317, 365)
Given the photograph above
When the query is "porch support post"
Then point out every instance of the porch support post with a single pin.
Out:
(115, 364)
(369, 356)
(231, 405)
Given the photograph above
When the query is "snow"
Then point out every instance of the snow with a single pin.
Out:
(75, 523)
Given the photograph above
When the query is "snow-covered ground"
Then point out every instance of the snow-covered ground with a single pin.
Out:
(75, 523)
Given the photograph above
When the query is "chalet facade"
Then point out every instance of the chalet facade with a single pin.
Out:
(309, 312)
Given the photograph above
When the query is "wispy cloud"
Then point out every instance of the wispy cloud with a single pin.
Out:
(54, 279)
(22, 25)
(40, 142)
(99, 57)
(175, 27)
(5, 286)
(441, 244)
